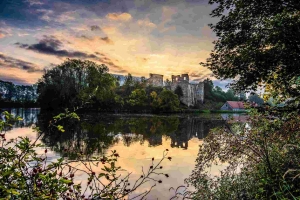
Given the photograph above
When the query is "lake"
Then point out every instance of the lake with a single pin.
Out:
(137, 138)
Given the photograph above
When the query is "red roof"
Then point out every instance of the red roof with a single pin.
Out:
(236, 104)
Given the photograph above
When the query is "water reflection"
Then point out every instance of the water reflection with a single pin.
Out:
(94, 134)
(137, 138)
(29, 116)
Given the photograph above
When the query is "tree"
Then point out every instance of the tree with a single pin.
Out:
(168, 101)
(74, 82)
(230, 95)
(254, 98)
(168, 83)
(178, 91)
(258, 43)
(138, 98)
(242, 96)
(208, 88)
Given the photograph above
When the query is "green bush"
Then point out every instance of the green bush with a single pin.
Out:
(262, 161)
(25, 174)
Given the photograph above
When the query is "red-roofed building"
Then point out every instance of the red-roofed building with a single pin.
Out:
(233, 105)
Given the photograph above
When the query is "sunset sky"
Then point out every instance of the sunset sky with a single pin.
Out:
(129, 36)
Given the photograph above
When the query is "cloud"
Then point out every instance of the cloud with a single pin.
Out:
(34, 2)
(2, 35)
(5, 31)
(47, 15)
(51, 46)
(119, 16)
(146, 23)
(107, 40)
(121, 71)
(9, 62)
(98, 53)
(64, 17)
(95, 28)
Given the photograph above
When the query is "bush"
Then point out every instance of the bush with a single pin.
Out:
(263, 161)
(25, 174)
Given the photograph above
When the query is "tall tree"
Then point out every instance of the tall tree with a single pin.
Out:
(254, 98)
(74, 82)
(258, 43)
(178, 91)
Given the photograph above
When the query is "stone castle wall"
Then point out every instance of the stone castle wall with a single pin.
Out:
(155, 80)
(192, 93)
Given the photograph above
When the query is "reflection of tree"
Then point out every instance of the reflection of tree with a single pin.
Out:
(95, 134)
(29, 116)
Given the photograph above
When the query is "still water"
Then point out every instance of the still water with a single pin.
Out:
(137, 139)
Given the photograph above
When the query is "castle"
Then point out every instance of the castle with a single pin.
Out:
(192, 93)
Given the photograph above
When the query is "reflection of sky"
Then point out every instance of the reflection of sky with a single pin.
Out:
(136, 156)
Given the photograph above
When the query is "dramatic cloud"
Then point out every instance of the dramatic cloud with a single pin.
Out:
(52, 46)
(107, 40)
(9, 62)
(119, 16)
(136, 36)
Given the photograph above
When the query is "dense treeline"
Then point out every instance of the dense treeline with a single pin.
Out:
(12, 95)
(215, 97)
(85, 84)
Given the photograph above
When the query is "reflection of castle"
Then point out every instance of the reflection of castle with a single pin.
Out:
(188, 128)
(192, 93)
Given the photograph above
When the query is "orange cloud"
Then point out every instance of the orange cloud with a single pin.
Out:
(2, 35)
(146, 23)
(119, 16)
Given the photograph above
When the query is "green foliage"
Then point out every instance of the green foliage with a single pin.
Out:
(215, 97)
(168, 101)
(73, 82)
(138, 98)
(254, 98)
(262, 161)
(216, 94)
(258, 43)
(25, 174)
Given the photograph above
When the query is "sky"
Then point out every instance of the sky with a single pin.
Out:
(168, 37)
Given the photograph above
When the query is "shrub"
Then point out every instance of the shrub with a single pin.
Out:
(25, 174)
(263, 161)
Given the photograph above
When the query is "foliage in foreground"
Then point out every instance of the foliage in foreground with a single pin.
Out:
(262, 161)
(258, 42)
(27, 174)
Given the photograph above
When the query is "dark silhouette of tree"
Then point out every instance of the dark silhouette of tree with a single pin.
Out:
(74, 83)
(178, 91)
(258, 43)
